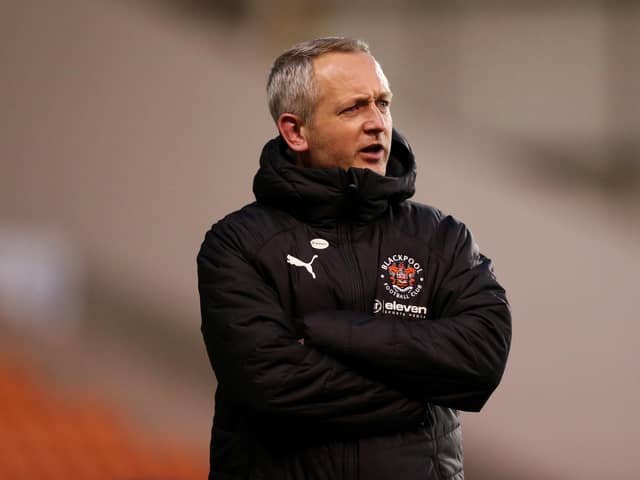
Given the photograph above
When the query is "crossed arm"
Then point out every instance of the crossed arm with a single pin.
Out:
(455, 360)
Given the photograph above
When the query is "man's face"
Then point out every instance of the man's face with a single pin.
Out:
(351, 125)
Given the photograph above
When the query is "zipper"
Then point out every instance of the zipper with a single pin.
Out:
(346, 246)
(346, 249)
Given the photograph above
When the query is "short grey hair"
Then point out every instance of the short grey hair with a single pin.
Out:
(291, 87)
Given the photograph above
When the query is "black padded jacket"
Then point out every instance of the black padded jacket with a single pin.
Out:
(402, 318)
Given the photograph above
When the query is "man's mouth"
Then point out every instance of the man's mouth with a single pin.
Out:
(373, 148)
(373, 153)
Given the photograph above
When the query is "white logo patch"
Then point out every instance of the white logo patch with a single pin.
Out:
(319, 243)
(299, 263)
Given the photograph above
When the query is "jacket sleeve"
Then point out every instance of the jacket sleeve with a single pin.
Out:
(456, 359)
(254, 351)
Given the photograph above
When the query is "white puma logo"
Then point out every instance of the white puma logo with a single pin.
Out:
(299, 263)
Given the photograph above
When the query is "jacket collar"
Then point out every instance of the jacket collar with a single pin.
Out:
(322, 196)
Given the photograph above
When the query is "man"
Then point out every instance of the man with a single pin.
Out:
(346, 325)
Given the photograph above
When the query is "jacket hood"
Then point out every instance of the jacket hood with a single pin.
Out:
(329, 195)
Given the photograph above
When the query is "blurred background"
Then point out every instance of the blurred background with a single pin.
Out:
(129, 127)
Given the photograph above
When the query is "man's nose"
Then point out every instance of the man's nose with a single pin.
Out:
(375, 121)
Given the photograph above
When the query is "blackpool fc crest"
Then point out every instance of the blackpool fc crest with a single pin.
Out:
(402, 276)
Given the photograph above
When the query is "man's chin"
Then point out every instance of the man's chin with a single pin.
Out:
(375, 161)
(380, 167)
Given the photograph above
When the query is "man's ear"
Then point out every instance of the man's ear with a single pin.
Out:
(294, 133)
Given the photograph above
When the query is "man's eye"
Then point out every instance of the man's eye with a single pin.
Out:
(383, 104)
(352, 108)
